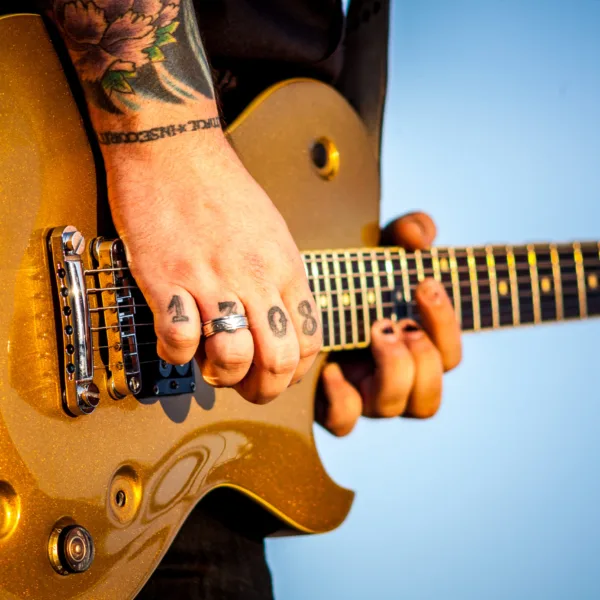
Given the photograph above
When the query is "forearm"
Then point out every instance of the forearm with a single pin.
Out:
(142, 66)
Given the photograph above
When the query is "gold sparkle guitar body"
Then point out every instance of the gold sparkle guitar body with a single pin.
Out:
(165, 455)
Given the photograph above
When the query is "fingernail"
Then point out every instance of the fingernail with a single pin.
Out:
(387, 330)
(412, 330)
(432, 291)
(414, 229)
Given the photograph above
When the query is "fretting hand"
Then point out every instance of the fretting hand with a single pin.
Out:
(401, 373)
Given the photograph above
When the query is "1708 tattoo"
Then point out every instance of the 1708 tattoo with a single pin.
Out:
(177, 305)
(309, 325)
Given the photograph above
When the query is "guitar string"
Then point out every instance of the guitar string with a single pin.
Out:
(524, 315)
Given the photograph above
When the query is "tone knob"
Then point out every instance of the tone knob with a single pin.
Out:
(71, 549)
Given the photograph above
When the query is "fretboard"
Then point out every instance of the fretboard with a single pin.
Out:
(490, 287)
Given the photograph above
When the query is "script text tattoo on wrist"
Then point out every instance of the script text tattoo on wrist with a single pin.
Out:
(177, 305)
(277, 321)
(157, 133)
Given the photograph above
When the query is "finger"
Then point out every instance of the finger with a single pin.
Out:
(386, 392)
(426, 394)
(439, 321)
(414, 231)
(225, 357)
(343, 404)
(276, 351)
(176, 323)
(305, 319)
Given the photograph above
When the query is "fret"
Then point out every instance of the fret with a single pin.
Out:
(491, 267)
(389, 269)
(337, 272)
(353, 311)
(535, 286)
(514, 286)
(405, 279)
(419, 264)
(503, 287)
(546, 282)
(435, 261)
(327, 287)
(377, 281)
(365, 298)
(556, 276)
(456, 295)
(314, 270)
(591, 264)
(580, 271)
(474, 289)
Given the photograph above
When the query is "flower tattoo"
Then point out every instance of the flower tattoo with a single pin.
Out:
(110, 40)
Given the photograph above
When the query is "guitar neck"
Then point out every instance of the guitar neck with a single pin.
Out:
(489, 286)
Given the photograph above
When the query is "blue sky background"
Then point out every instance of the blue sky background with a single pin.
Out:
(492, 126)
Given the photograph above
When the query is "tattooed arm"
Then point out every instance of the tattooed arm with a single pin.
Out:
(203, 238)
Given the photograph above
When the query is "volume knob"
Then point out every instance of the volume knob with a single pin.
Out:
(71, 549)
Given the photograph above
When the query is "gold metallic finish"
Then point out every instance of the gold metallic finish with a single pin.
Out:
(333, 345)
(535, 286)
(405, 275)
(503, 287)
(580, 271)
(364, 296)
(514, 286)
(60, 467)
(556, 275)
(474, 289)
(332, 164)
(10, 510)
(353, 312)
(377, 284)
(419, 263)
(592, 280)
(456, 296)
(124, 495)
(545, 285)
(491, 265)
(435, 261)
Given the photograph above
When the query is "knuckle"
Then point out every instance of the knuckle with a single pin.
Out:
(310, 347)
(425, 409)
(281, 363)
(180, 338)
(388, 410)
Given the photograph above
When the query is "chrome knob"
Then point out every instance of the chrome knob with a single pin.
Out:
(71, 549)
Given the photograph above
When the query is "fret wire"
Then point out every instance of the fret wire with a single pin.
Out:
(314, 267)
(341, 306)
(353, 315)
(419, 262)
(363, 289)
(377, 286)
(435, 261)
(491, 265)
(389, 269)
(556, 274)
(514, 287)
(457, 301)
(580, 278)
(535, 286)
(327, 281)
(474, 289)
(404, 275)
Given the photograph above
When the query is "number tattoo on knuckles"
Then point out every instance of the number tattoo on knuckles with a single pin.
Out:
(277, 321)
(310, 325)
(177, 305)
(227, 308)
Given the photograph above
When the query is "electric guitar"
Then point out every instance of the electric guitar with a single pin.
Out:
(104, 449)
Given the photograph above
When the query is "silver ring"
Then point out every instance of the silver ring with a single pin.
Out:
(230, 323)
